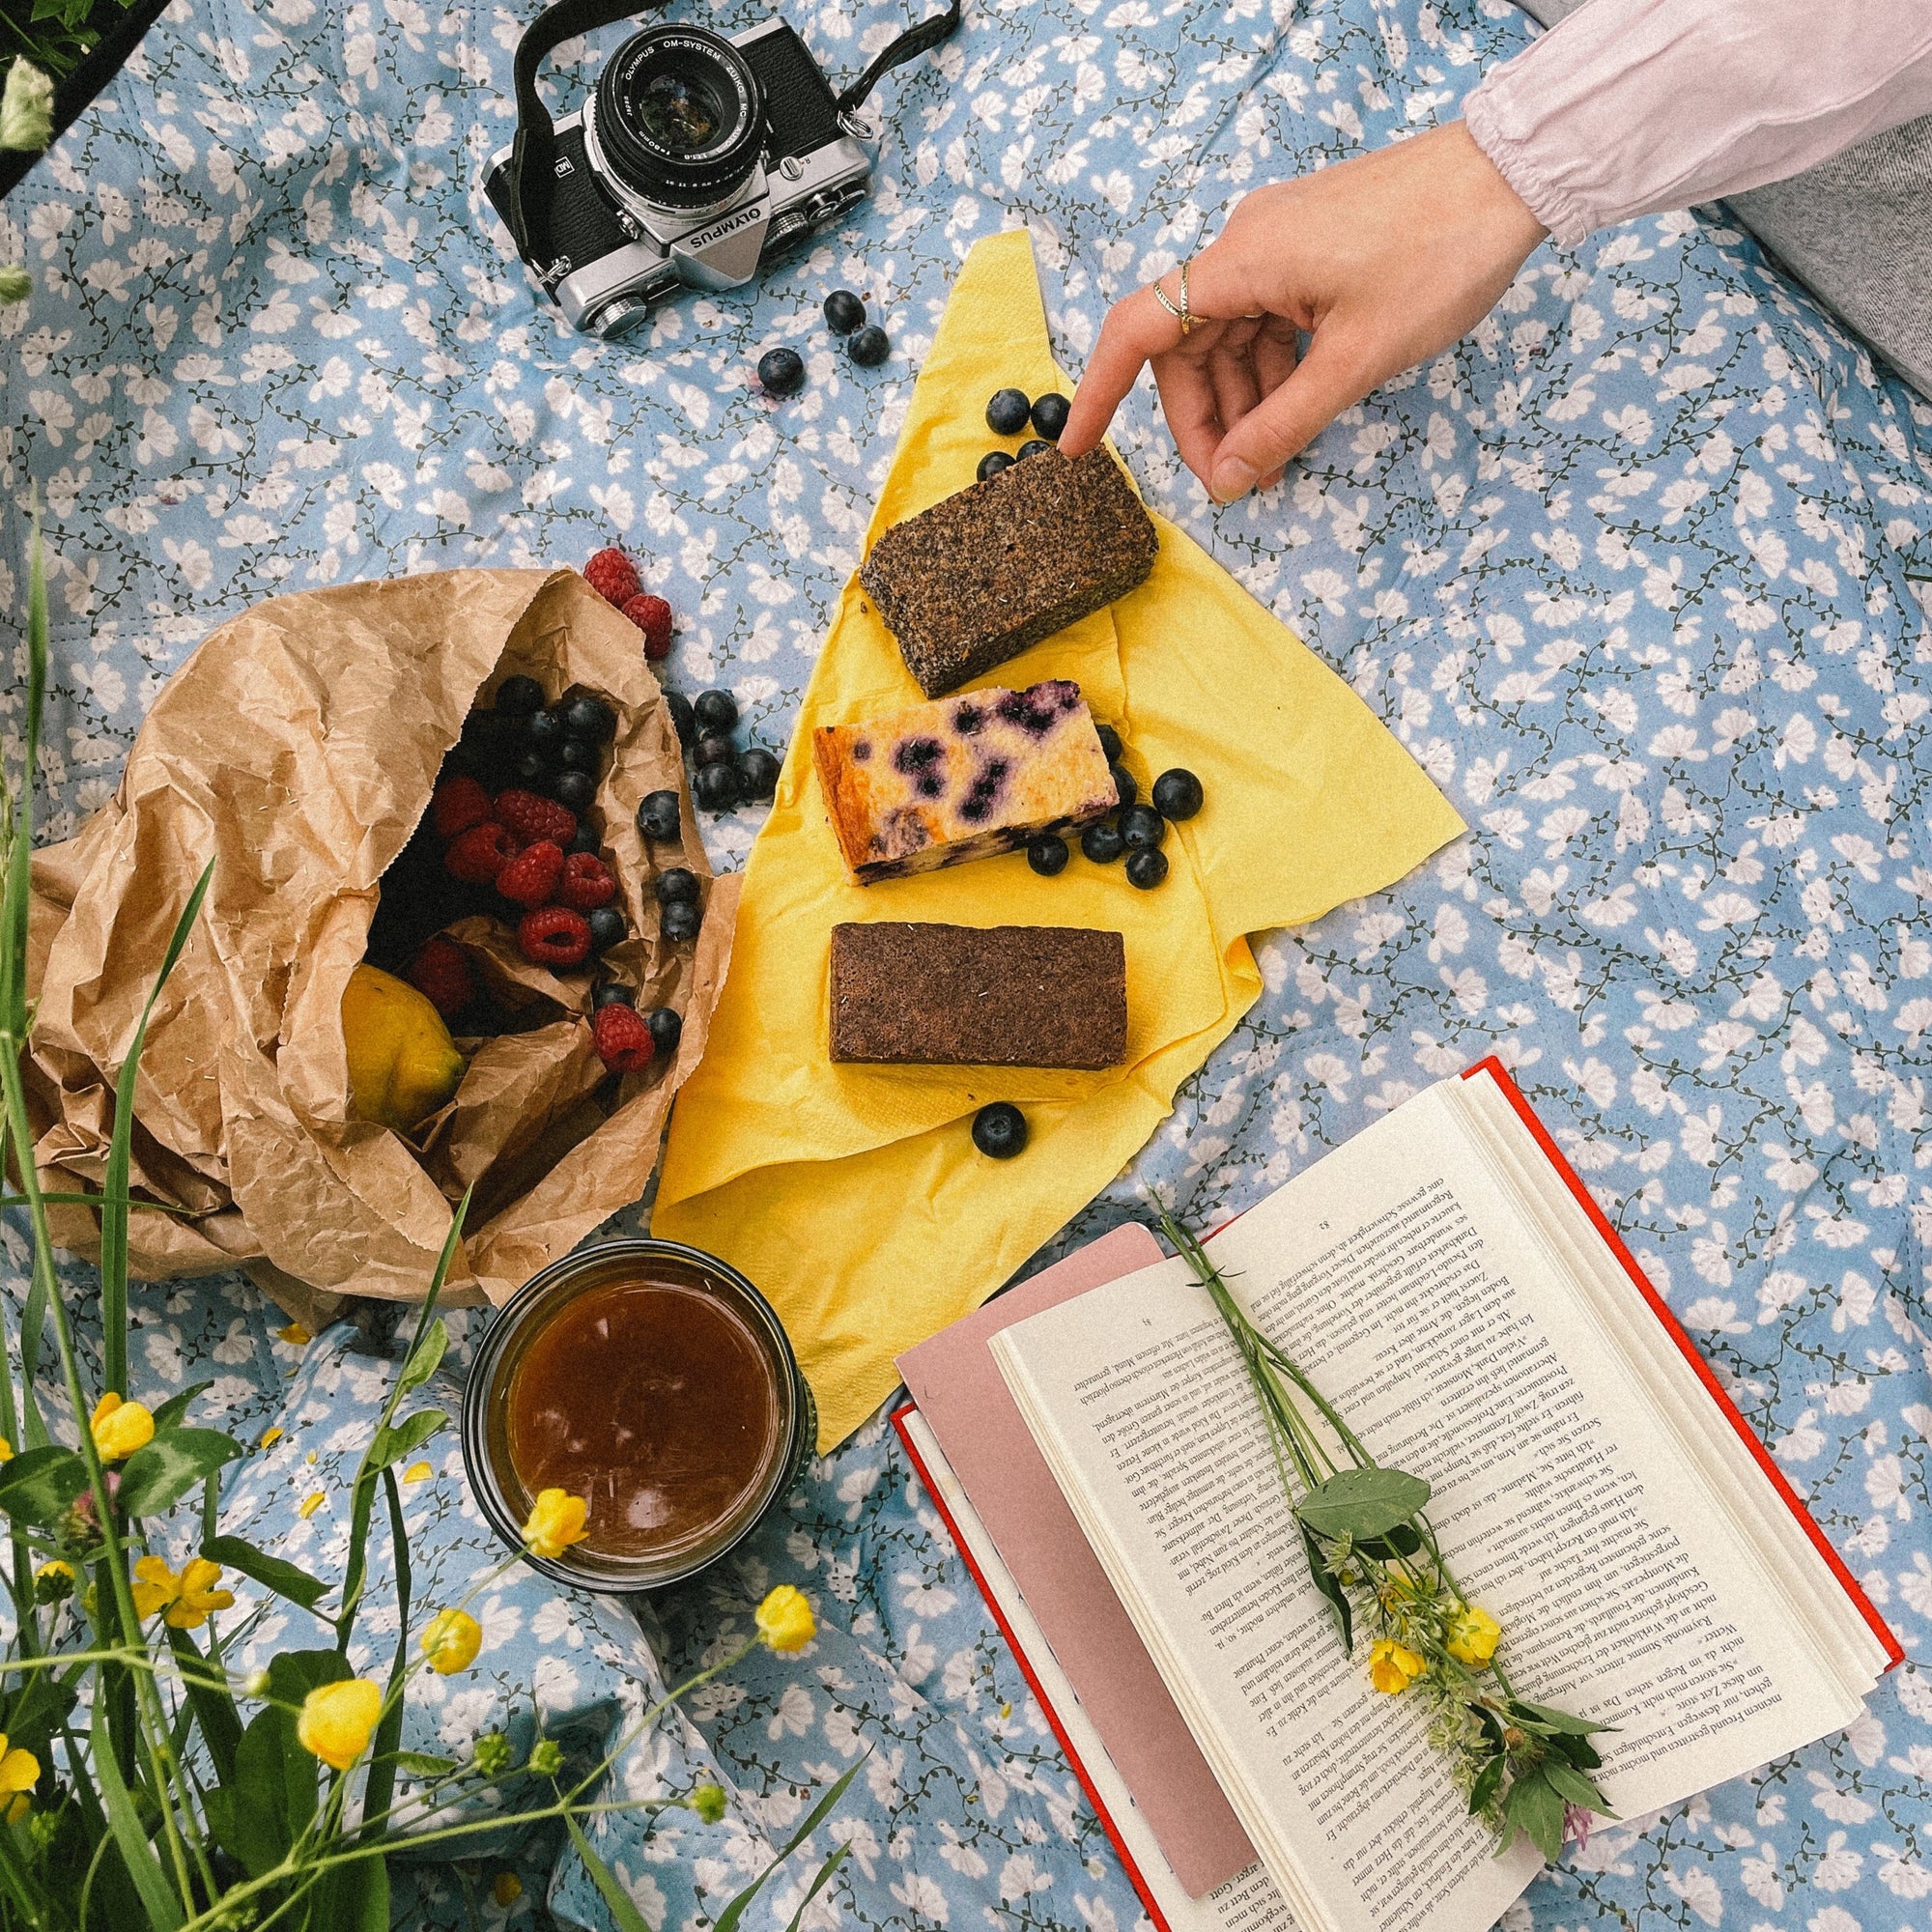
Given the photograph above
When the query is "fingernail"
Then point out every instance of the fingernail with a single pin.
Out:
(1231, 478)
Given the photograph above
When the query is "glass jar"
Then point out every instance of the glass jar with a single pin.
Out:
(657, 1383)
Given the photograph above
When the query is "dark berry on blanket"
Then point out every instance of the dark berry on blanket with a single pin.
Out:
(716, 749)
(683, 718)
(1147, 869)
(1006, 413)
(716, 711)
(1034, 446)
(781, 372)
(675, 885)
(587, 717)
(667, 1027)
(1142, 828)
(999, 1130)
(1177, 794)
(992, 463)
(1110, 743)
(716, 788)
(1102, 842)
(869, 347)
(844, 312)
(757, 774)
(1049, 415)
(1048, 855)
(1124, 785)
(658, 817)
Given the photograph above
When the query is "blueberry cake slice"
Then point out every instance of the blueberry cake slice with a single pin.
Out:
(965, 777)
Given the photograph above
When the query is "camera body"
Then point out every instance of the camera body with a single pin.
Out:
(693, 162)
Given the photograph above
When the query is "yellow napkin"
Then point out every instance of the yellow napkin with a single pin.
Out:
(853, 1196)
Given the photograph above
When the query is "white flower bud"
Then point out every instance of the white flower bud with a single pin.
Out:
(26, 108)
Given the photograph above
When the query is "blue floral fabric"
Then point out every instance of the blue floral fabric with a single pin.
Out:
(1641, 572)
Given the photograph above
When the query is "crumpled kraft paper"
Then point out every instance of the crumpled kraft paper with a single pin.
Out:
(298, 747)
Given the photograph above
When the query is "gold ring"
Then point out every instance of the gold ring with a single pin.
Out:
(1182, 315)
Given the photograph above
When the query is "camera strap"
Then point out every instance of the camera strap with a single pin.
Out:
(534, 155)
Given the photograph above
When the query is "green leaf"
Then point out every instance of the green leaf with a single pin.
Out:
(1579, 1752)
(1572, 1784)
(157, 1901)
(159, 1473)
(817, 1885)
(352, 1897)
(1487, 1780)
(727, 1920)
(270, 1572)
(272, 1794)
(1534, 1808)
(425, 1357)
(1403, 1540)
(1330, 1587)
(392, 1444)
(173, 1412)
(380, 1787)
(1541, 1717)
(623, 1908)
(1363, 1502)
(41, 1702)
(1493, 1729)
(38, 1484)
(423, 1763)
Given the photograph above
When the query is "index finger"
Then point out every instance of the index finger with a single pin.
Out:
(1137, 328)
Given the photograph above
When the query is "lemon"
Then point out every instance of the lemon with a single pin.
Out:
(402, 1064)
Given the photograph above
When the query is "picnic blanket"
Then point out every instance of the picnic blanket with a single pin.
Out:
(1639, 573)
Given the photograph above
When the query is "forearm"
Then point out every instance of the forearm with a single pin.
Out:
(1631, 106)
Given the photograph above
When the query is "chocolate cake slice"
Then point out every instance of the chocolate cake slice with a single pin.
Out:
(906, 994)
(963, 778)
(984, 575)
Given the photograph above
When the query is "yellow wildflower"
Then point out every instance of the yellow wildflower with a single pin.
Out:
(270, 1438)
(198, 1599)
(295, 1335)
(19, 1769)
(337, 1719)
(1393, 1666)
(17, 1808)
(417, 1472)
(451, 1640)
(786, 1621)
(6, 1450)
(507, 1887)
(53, 1582)
(1473, 1635)
(120, 1428)
(155, 1585)
(310, 1503)
(557, 1521)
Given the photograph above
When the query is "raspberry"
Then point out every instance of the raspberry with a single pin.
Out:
(586, 883)
(456, 805)
(441, 975)
(613, 575)
(652, 616)
(530, 877)
(624, 1042)
(478, 855)
(531, 817)
(553, 936)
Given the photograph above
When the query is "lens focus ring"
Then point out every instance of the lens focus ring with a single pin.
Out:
(679, 116)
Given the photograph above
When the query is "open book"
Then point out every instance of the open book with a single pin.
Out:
(1456, 1295)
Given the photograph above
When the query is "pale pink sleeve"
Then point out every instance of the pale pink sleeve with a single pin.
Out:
(1629, 107)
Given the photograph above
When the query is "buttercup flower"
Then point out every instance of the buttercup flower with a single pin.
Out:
(557, 1521)
(26, 108)
(1393, 1666)
(708, 1802)
(155, 1585)
(120, 1428)
(786, 1621)
(507, 1887)
(422, 1472)
(6, 1450)
(337, 1719)
(450, 1641)
(19, 1769)
(1473, 1635)
(199, 1598)
(53, 1582)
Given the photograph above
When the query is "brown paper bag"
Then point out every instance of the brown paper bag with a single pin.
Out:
(297, 748)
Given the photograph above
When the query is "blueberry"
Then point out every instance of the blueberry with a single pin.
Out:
(1102, 842)
(683, 722)
(1123, 784)
(757, 772)
(1147, 869)
(675, 884)
(658, 817)
(489, 747)
(992, 463)
(714, 749)
(520, 695)
(999, 1130)
(680, 921)
(1142, 828)
(1006, 412)
(716, 788)
(576, 789)
(607, 929)
(869, 347)
(587, 717)
(1177, 794)
(1033, 446)
(1049, 415)
(586, 839)
(578, 755)
(612, 993)
(1048, 855)
(667, 1028)
(1110, 743)
(844, 312)
(531, 767)
(716, 711)
(781, 372)
(543, 730)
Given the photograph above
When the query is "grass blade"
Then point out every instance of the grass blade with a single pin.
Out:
(623, 1908)
(162, 1906)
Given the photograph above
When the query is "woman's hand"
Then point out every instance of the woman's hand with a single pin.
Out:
(1382, 260)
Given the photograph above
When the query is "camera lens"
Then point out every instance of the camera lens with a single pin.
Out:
(679, 117)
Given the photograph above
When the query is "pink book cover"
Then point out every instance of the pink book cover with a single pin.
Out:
(962, 1395)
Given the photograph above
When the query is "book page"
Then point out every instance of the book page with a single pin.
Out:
(1400, 1274)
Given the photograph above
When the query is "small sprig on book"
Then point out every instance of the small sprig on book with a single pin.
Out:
(1370, 1551)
